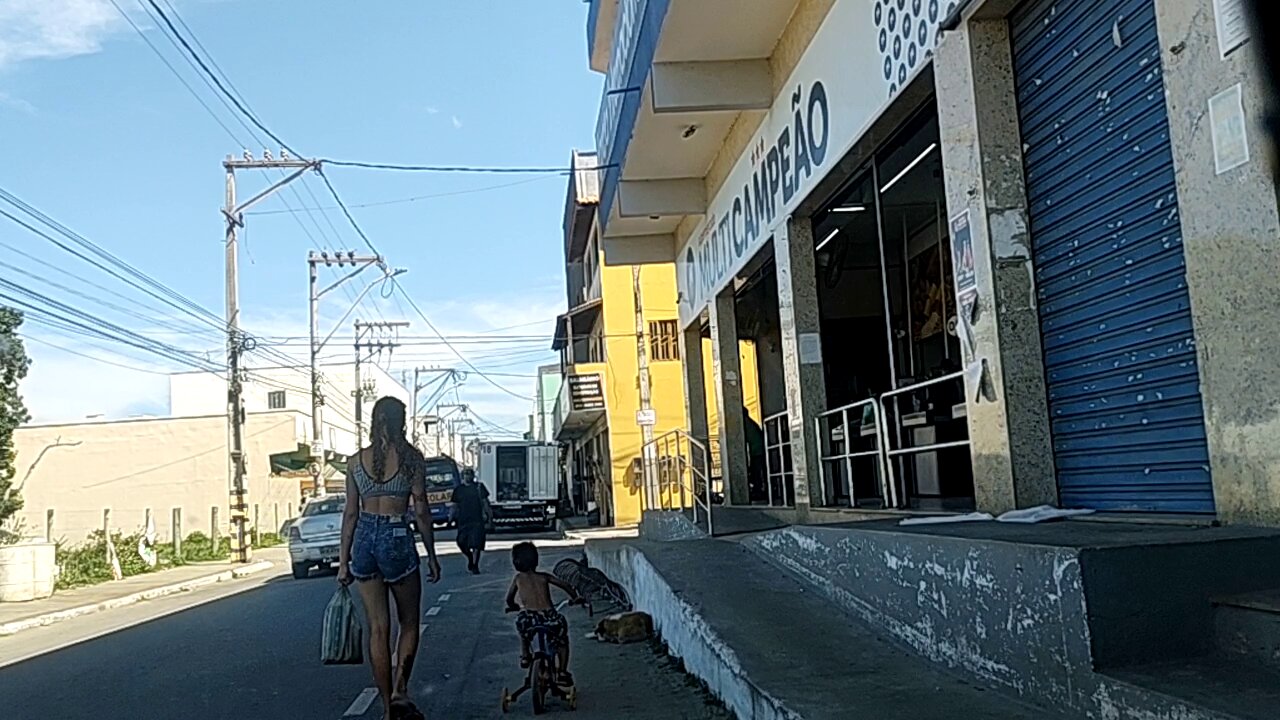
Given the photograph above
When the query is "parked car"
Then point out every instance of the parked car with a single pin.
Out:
(315, 536)
(442, 476)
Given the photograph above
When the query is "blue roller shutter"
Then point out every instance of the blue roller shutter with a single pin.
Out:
(1124, 392)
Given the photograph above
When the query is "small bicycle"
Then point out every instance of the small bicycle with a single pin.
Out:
(543, 674)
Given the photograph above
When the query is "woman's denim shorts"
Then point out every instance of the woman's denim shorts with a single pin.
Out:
(383, 547)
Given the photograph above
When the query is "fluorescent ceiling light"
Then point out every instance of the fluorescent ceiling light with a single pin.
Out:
(849, 209)
(909, 168)
(826, 240)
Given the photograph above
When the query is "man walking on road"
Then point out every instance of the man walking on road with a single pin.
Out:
(470, 509)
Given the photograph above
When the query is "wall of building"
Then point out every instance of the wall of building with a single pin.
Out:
(199, 394)
(622, 394)
(129, 466)
(1230, 224)
(800, 30)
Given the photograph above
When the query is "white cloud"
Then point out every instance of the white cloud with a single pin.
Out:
(52, 29)
(431, 110)
(457, 124)
(16, 103)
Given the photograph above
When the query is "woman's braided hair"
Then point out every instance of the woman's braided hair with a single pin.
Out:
(386, 431)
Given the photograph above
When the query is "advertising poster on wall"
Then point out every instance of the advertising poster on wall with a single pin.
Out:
(966, 279)
(962, 253)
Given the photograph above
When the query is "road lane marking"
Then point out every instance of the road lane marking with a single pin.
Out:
(422, 629)
(445, 597)
(361, 704)
(433, 611)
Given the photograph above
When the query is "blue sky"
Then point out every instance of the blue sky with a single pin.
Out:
(96, 132)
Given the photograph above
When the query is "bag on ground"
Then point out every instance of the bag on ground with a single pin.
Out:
(342, 636)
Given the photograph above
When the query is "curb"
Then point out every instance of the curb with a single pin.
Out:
(17, 626)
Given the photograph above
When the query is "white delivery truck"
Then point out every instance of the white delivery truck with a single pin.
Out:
(523, 479)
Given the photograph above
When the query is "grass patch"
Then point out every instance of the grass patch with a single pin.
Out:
(86, 563)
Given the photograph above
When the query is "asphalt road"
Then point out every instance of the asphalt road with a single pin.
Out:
(250, 650)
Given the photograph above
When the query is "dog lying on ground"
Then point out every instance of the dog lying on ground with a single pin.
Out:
(624, 628)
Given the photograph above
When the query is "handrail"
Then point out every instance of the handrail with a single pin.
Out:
(849, 456)
(921, 385)
(891, 452)
(678, 471)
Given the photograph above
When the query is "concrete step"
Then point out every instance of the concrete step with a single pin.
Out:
(772, 649)
(1217, 688)
(1048, 611)
(1248, 627)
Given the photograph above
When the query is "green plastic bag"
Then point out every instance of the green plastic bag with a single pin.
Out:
(342, 636)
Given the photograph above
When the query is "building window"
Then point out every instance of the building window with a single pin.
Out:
(664, 340)
(276, 400)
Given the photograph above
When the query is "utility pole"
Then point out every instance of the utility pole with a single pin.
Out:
(418, 385)
(374, 346)
(358, 264)
(645, 418)
(413, 409)
(236, 345)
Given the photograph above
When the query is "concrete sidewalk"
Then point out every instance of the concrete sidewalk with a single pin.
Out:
(68, 604)
(577, 528)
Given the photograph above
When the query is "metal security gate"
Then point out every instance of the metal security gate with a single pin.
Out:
(1120, 364)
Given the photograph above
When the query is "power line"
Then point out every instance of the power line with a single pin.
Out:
(399, 201)
(544, 170)
(74, 317)
(184, 305)
(162, 321)
(345, 211)
(216, 81)
(174, 70)
(461, 357)
(32, 338)
(114, 266)
(234, 96)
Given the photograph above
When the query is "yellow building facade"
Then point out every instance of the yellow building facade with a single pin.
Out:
(596, 418)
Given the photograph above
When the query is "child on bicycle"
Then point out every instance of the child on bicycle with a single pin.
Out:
(533, 591)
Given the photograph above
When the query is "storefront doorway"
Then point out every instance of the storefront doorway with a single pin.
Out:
(896, 433)
(1119, 348)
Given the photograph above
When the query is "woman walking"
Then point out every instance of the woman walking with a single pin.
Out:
(378, 549)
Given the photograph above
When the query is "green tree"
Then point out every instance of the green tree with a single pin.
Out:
(13, 368)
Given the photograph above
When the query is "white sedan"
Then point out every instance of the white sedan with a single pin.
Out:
(314, 538)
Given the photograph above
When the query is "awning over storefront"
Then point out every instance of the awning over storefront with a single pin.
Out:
(576, 323)
(298, 461)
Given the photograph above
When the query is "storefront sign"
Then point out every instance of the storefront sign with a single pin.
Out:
(618, 76)
(836, 90)
(635, 40)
